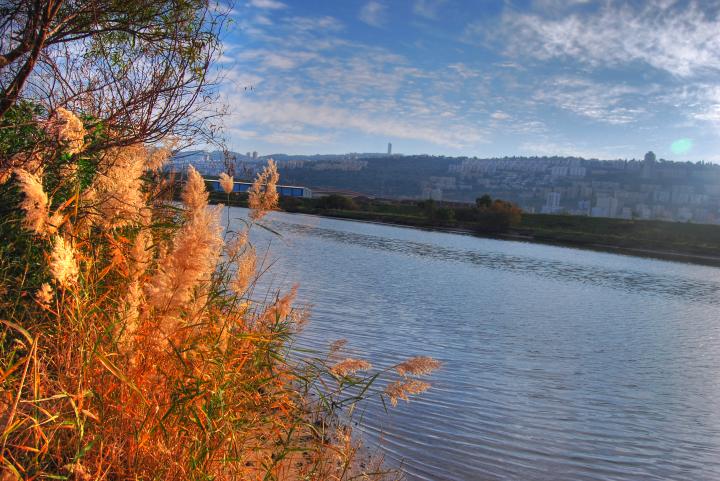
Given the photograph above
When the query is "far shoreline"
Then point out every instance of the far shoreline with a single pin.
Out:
(516, 235)
(674, 256)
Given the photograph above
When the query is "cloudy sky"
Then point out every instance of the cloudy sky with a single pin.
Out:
(475, 77)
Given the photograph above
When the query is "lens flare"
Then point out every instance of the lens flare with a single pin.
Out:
(681, 146)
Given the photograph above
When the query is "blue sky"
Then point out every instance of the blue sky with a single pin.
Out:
(473, 77)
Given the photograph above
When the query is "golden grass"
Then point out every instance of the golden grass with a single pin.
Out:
(139, 351)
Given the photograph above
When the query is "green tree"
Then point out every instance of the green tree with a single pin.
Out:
(337, 202)
(483, 202)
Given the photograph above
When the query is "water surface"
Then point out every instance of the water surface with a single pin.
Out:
(559, 363)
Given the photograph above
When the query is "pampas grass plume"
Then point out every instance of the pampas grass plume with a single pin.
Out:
(226, 182)
(263, 195)
(35, 202)
(194, 194)
(68, 129)
(63, 265)
(350, 366)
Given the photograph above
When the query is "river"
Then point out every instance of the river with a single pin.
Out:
(558, 363)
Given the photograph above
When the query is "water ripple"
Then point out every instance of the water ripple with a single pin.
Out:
(559, 364)
(622, 279)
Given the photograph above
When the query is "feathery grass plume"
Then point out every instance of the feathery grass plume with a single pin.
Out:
(236, 244)
(194, 253)
(116, 190)
(54, 223)
(68, 129)
(44, 295)
(281, 308)
(63, 265)
(194, 194)
(337, 346)
(263, 195)
(350, 366)
(402, 389)
(418, 366)
(141, 251)
(28, 161)
(226, 182)
(131, 314)
(35, 202)
(191, 260)
(245, 267)
(159, 155)
(299, 317)
(138, 262)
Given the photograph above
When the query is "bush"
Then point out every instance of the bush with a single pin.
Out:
(290, 204)
(445, 214)
(336, 202)
(499, 217)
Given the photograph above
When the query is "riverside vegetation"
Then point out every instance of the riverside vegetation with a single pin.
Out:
(690, 242)
(134, 344)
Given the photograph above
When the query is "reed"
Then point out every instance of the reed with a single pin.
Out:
(133, 346)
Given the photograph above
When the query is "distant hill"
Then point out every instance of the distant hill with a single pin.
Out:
(645, 189)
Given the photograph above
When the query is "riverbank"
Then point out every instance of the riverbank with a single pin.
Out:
(675, 241)
(575, 240)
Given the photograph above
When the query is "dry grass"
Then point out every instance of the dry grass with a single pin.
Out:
(137, 350)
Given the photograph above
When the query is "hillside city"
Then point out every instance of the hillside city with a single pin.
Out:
(649, 188)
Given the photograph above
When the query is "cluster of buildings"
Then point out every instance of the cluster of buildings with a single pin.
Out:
(215, 162)
(207, 163)
(629, 189)
(346, 165)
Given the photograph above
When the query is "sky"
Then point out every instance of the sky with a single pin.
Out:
(597, 79)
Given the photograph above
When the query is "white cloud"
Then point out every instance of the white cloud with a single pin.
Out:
(545, 5)
(551, 148)
(293, 138)
(681, 40)
(269, 4)
(612, 104)
(279, 62)
(263, 20)
(241, 133)
(373, 13)
(314, 24)
(427, 8)
(697, 102)
(283, 111)
(269, 60)
(315, 85)
(463, 70)
(499, 115)
(361, 75)
(306, 33)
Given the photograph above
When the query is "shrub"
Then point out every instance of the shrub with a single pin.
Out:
(336, 202)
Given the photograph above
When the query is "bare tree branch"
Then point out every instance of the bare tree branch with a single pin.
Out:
(143, 69)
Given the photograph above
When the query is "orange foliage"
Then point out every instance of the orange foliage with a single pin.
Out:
(142, 355)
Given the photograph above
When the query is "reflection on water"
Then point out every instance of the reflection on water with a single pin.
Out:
(559, 364)
(666, 285)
